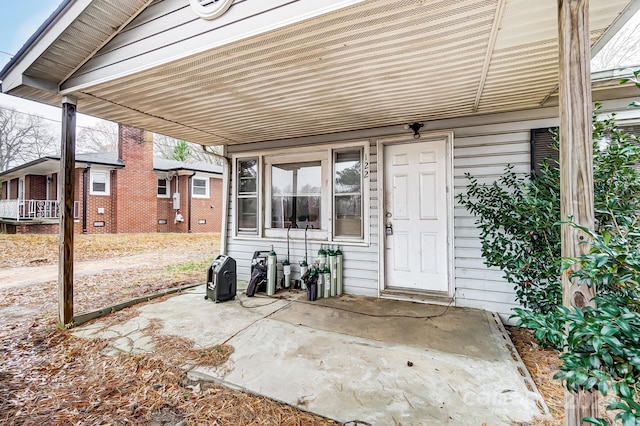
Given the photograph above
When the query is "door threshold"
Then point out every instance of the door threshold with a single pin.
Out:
(432, 297)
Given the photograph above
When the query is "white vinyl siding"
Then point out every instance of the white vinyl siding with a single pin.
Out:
(361, 257)
(483, 150)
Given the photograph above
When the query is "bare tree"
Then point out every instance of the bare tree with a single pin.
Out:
(165, 147)
(24, 137)
(622, 50)
(101, 137)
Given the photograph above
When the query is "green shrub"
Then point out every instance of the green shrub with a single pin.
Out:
(519, 220)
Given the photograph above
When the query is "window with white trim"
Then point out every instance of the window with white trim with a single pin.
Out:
(99, 182)
(163, 188)
(347, 194)
(247, 201)
(200, 187)
(322, 190)
(296, 195)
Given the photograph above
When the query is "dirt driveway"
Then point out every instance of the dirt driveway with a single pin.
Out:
(22, 276)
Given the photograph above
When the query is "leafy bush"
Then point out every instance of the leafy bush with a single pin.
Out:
(518, 216)
(519, 220)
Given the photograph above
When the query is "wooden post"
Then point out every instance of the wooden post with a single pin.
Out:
(66, 183)
(576, 166)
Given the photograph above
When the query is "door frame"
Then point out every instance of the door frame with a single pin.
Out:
(381, 143)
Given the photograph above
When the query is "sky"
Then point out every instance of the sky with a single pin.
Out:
(19, 19)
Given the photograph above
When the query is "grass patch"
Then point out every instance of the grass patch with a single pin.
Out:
(191, 266)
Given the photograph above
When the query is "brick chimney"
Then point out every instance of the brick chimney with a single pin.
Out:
(136, 183)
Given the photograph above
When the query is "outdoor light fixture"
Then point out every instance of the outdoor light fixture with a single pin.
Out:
(416, 129)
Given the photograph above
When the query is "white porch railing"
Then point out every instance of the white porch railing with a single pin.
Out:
(33, 209)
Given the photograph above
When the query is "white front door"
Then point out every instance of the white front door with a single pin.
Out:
(416, 216)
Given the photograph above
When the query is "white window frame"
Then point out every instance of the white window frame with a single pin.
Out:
(364, 177)
(304, 154)
(236, 192)
(107, 186)
(206, 186)
(325, 220)
(167, 187)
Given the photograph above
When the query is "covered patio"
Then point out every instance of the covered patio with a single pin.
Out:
(275, 76)
(376, 361)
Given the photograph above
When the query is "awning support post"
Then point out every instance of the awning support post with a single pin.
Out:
(576, 167)
(66, 184)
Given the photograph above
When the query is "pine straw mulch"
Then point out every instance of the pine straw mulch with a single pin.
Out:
(542, 365)
(32, 250)
(48, 376)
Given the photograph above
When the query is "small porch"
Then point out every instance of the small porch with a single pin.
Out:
(33, 210)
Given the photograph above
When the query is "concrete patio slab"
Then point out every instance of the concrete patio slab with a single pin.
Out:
(351, 358)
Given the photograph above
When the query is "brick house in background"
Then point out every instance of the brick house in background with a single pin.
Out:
(128, 191)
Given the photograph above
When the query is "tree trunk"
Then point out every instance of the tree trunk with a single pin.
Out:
(576, 166)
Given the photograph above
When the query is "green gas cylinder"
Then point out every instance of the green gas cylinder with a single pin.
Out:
(326, 273)
(286, 267)
(331, 255)
(321, 283)
(339, 271)
(322, 257)
(303, 270)
(271, 272)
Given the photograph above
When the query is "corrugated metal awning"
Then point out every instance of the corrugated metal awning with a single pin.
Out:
(373, 64)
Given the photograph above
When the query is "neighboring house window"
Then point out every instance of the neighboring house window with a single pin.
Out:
(247, 201)
(322, 190)
(200, 187)
(163, 188)
(99, 182)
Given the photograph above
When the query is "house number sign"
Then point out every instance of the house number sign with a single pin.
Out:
(210, 9)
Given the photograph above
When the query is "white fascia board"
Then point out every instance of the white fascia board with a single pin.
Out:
(296, 12)
(616, 25)
(14, 76)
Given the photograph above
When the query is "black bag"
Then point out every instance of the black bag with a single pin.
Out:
(258, 279)
(311, 282)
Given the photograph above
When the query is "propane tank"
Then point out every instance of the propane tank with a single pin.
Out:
(303, 270)
(287, 273)
(338, 271)
(327, 281)
(322, 258)
(271, 273)
(331, 255)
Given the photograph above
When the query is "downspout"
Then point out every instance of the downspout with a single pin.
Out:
(85, 191)
(226, 189)
(189, 191)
